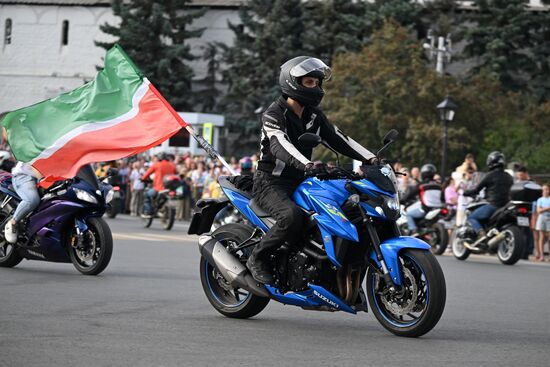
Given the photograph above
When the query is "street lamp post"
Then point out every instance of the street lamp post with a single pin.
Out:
(447, 110)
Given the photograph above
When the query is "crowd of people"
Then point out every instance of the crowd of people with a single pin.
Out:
(199, 180)
(198, 176)
(466, 177)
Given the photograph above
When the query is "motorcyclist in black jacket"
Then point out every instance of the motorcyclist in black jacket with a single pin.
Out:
(284, 162)
(497, 184)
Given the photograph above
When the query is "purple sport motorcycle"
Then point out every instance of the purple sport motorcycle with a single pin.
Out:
(66, 227)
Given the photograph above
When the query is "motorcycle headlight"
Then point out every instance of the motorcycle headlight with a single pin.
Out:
(110, 196)
(85, 196)
(392, 203)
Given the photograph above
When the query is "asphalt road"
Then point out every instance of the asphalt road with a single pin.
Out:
(148, 309)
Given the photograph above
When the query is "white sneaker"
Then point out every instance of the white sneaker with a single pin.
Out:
(10, 232)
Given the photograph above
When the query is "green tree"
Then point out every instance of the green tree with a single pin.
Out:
(511, 42)
(153, 34)
(335, 26)
(388, 85)
(270, 33)
(208, 96)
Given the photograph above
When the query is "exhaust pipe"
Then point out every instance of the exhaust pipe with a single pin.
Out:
(494, 242)
(229, 266)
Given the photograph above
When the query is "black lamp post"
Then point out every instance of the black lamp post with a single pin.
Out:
(447, 110)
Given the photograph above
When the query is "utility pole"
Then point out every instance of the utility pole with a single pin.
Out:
(442, 53)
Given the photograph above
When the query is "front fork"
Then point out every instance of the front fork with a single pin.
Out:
(375, 240)
(80, 228)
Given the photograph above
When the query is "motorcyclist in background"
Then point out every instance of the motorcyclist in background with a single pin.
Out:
(245, 164)
(430, 196)
(159, 169)
(497, 184)
(284, 162)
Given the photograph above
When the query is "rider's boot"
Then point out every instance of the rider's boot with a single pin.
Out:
(260, 268)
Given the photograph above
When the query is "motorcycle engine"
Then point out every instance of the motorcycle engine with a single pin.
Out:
(300, 271)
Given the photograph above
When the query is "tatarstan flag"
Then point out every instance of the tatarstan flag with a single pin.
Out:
(118, 114)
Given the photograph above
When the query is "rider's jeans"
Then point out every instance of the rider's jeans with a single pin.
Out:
(25, 187)
(413, 214)
(148, 202)
(480, 214)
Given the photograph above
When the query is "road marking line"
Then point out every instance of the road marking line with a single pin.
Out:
(153, 237)
(120, 236)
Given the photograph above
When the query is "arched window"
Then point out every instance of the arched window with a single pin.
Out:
(7, 32)
(65, 33)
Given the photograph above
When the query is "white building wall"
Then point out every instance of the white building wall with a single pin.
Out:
(35, 66)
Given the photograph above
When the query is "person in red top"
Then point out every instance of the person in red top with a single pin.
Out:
(160, 169)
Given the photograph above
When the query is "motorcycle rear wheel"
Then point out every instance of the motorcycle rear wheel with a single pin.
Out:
(168, 217)
(230, 302)
(9, 256)
(511, 248)
(440, 238)
(418, 309)
(94, 258)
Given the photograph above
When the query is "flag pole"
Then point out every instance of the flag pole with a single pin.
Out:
(210, 150)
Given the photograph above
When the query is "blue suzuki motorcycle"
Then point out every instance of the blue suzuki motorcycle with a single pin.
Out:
(349, 238)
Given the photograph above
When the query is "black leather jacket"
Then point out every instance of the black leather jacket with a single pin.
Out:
(280, 152)
(497, 185)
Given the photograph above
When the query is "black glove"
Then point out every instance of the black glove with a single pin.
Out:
(318, 169)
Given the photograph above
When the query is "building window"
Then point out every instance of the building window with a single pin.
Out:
(7, 32)
(65, 33)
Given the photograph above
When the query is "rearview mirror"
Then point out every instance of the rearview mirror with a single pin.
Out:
(390, 136)
(309, 140)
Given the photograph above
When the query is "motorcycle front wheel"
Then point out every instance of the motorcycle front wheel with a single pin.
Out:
(93, 255)
(418, 306)
(460, 251)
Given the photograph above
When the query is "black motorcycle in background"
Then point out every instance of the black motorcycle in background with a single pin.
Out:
(431, 228)
(504, 230)
(163, 207)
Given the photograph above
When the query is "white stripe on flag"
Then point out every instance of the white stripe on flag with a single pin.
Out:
(94, 126)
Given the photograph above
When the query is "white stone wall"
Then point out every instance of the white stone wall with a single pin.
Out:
(35, 66)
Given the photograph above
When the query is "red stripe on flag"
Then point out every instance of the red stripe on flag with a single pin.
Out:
(153, 124)
(170, 108)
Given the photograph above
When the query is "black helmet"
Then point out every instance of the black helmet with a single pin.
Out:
(495, 160)
(290, 79)
(427, 172)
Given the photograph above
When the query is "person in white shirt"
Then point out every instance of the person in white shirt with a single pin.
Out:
(25, 178)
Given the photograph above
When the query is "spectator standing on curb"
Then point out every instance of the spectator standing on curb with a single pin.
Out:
(469, 161)
(136, 188)
(543, 221)
(415, 175)
(467, 182)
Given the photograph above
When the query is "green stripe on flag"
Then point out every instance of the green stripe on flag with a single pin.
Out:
(33, 129)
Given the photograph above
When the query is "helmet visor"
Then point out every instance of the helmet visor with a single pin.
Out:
(310, 65)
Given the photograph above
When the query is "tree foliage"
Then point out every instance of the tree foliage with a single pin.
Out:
(388, 85)
(511, 42)
(153, 34)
